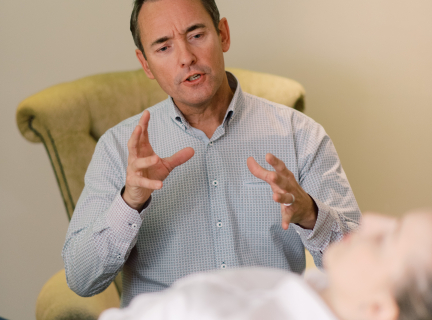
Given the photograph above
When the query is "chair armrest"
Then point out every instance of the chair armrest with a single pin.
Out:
(57, 301)
(70, 117)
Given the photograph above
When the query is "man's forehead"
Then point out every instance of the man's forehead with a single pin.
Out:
(162, 18)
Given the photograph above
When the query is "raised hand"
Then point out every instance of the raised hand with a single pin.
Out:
(145, 170)
(303, 210)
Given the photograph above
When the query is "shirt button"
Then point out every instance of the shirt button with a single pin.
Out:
(134, 226)
(211, 143)
(223, 266)
(119, 257)
(215, 183)
(219, 224)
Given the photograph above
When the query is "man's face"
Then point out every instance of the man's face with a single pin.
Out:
(370, 262)
(183, 50)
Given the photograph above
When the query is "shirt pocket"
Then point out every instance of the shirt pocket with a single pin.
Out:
(258, 197)
(255, 183)
(259, 212)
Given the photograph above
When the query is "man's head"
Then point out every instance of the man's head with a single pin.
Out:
(184, 42)
(209, 5)
(384, 270)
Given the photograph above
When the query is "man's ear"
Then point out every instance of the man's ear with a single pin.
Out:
(382, 307)
(144, 64)
(224, 34)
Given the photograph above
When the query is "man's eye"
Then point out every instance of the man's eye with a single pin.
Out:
(163, 49)
(197, 36)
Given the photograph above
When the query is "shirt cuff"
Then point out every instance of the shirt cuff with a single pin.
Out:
(320, 236)
(124, 221)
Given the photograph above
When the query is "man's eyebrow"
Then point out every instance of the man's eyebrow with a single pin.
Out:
(195, 26)
(190, 29)
(160, 40)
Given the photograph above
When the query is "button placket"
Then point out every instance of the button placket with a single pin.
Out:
(218, 208)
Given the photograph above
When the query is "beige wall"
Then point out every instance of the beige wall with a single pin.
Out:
(366, 66)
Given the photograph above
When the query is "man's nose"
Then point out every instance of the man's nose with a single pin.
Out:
(186, 56)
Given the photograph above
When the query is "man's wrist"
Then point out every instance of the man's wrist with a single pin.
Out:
(132, 204)
(310, 221)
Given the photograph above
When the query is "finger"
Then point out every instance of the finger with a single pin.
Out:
(286, 217)
(133, 143)
(179, 158)
(144, 147)
(144, 163)
(271, 177)
(144, 120)
(277, 164)
(283, 197)
(256, 169)
(141, 182)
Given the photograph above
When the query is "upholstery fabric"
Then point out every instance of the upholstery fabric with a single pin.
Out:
(69, 118)
(51, 301)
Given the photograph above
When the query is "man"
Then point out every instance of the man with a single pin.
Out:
(204, 183)
(381, 272)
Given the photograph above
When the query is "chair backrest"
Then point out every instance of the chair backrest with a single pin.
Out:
(70, 117)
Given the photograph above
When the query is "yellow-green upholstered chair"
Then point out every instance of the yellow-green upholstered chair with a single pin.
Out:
(70, 117)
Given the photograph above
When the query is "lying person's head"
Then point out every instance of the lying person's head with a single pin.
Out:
(384, 270)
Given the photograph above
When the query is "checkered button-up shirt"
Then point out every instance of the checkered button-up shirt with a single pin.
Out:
(211, 212)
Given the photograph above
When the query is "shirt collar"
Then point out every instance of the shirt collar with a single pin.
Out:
(236, 105)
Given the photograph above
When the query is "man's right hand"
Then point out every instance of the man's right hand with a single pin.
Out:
(146, 171)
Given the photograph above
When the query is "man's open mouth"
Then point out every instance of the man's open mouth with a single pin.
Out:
(194, 77)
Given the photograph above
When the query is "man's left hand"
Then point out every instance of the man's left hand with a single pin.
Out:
(303, 211)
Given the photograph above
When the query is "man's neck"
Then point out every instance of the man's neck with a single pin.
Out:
(208, 117)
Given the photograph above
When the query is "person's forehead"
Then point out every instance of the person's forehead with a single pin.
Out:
(414, 242)
(417, 227)
(373, 223)
(161, 18)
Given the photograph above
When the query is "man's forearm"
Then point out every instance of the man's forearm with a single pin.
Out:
(94, 253)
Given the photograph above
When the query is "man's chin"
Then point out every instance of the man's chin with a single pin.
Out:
(194, 101)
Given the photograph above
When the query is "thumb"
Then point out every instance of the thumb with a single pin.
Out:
(179, 157)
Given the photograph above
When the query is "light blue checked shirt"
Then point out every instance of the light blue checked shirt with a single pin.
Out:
(212, 212)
